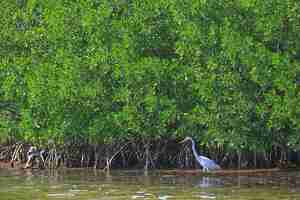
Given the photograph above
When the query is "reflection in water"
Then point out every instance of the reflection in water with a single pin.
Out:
(207, 181)
(121, 185)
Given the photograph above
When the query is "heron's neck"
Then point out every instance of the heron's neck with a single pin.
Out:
(194, 149)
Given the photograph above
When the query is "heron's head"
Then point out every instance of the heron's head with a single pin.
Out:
(186, 139)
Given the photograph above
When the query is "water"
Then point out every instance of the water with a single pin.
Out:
(78, 184)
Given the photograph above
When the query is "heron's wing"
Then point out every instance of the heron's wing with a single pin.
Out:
(206, 162)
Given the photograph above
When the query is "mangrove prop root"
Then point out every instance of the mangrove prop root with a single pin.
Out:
(152, 153)
(109, 160)
(53, 160)
(35, 156)
(17, 154)
(6, 152)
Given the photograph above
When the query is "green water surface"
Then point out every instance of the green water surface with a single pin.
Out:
(96, 185)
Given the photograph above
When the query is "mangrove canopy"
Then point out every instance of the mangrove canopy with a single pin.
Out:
(95, 75)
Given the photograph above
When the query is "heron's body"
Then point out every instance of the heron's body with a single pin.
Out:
(205, 162)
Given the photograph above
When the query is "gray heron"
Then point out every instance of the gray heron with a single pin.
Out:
(205, 162)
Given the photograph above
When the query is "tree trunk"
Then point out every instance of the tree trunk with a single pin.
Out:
(96, 155)
(147, 160)
(239, 159)
(255, 159)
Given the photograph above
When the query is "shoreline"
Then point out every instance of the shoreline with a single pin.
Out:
(181, 172)
(7, 165)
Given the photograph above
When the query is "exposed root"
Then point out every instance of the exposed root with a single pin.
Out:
(34, 156)
(17, 155)
(109, 160)
(53, 160)
(6, 152)
(140, 153)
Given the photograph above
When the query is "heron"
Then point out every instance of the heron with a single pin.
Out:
(206, 163)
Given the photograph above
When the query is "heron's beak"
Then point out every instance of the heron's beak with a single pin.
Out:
(183, 141)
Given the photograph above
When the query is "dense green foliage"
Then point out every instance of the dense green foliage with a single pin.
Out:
(224, 72)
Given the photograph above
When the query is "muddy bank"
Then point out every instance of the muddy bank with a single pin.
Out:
(21, 167)
(7, 165)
